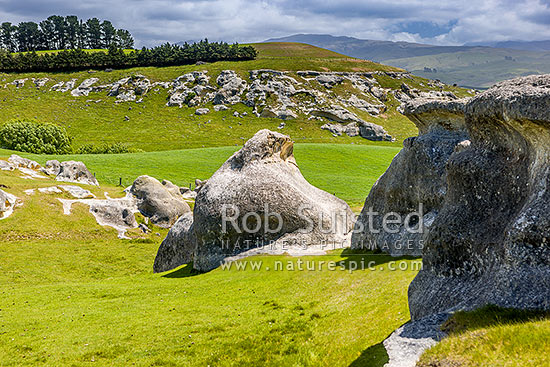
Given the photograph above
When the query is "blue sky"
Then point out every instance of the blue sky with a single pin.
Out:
(441, 22)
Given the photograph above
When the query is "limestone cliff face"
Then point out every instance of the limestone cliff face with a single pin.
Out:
(490, 242)
(415, 182)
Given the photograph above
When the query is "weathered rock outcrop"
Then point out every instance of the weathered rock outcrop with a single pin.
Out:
(350, 129)
(280, 113)
(116, 213)
(7, 204)
(490, 242)
(128, 88)
(336, 113)
(84, 88)
(6, 166)
(70, 171)
(73, 171)
(257, 198)
(232, 86)
(161, 203)
(53, 167)
(64, 86)
(270, 93)
(19, 162)
(367, 130)
(414, 185)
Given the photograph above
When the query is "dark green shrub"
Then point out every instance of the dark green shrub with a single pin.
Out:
(33, 137)
(112, 148)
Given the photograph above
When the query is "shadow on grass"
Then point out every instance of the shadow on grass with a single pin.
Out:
(184, 272)
(361, 259)
(373, 356)
(489, 316)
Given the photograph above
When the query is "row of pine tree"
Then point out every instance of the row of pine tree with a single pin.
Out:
(115, 57)
(59, 33)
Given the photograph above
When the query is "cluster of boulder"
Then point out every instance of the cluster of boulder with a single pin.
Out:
(66, 171)
(160, 204)
(69, 171)
(271, 94)
(258, 199)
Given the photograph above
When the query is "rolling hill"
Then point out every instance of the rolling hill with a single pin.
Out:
(146, 122)
(471, 66)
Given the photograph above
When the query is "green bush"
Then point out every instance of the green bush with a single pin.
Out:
(113, 148)
(33, 137)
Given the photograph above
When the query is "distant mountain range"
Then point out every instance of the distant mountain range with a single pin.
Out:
(474, 65)
(518, 45)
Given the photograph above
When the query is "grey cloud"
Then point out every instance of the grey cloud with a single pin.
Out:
(155, 21)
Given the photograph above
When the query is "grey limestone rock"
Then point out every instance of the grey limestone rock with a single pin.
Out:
(163, 204)
(243, 196)
(415, 183)
(490, 242)
(73, 171)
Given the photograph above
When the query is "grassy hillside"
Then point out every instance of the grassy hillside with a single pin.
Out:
(151, 125)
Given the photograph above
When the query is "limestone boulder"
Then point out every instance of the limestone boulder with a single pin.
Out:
(84, 88)
(329, 80)
(20, 162)
(370, 131)
(163, 204)
(73, 171)
(336, 113)
(178, 247)
(6, 166)
(490, 242)
(7, 204)
(339, 114)
(53, 167)
(350, 129)
(415, 184)
(113, 213)
(201, 111)
(258, 198)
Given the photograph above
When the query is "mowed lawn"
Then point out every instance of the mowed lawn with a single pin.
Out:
(74, 294)
(346, 170)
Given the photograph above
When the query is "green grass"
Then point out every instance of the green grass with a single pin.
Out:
(493, 336)
(348, 171)
(72, 293)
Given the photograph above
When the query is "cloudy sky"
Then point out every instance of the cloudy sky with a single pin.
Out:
(430, 21)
